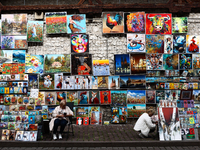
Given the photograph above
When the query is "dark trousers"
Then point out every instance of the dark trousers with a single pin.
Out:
(59, 122)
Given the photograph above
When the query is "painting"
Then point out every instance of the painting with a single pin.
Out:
(179, 43)
(154, 61)
(186, 94)
(81, 111)
(34, 63)
(50, 98)
(56, 22)
(185, 61)
(103, 82)
(20, 42)
(196, 61)
(136, 43)
(122, 64)
(136, 96)
(83, 97)
(79, 43)
(179, 25)
(168, 44)
(81, 64)
(113, 82)
(138, 63)
(155, 43)
(33, 81)
(113, 22)
(192, 43)
(6, 56)
(170, 61)
(95, 118)
(69, 82)
(0, 32)
(169, 124)
(94, 97)
(135, 110)
(18, 56)
(72, 96)
(133, 81)
(58, 81)
(101, 67)
(35, 31)
(7, 42)
(14, 24)
(46, 81)
(105, 97)
(158, 23)
(150, 96)
(134, 22)
(76, 23)
(118, 98)
(160, 95)
(60, 96)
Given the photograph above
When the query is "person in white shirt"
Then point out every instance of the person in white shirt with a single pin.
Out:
(144, 124)
(60, 118)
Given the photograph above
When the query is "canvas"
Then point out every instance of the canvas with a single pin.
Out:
(76, 23)
(131, 24)
(196, 96)
(170, 61)
(192, 43)
(118, 98)
(150, 96)
(160, 95)
(138, 63)
(58, 81)
(72, 96)
(179, 25)
(92, 109)
(158, 23)
(83, 97)
(33, 81)
(122, 64)
(113, 82)
(155, 43)
(14, 24)
(12, 135)
(113, 22)
(169, 130)
(46, 81)
(168, 44)
(81, 64)
(56, 22)
(5, 135)
(135, 110)
(136, 43)
(81, 111)
(94, 82)
(60, 96)
(94, 97)
(6, 56)
(19, 136)
(0, 32)
(33, 136)
(18, 56)
(103, 82)
(154, 61)
(196, 61)
(50, 98)
(34, 63)
(79, 43)
(20, 42)
(7, 42)
(179, 43)
(101, 67)
(69, 82)
(185, 61)
(133, 81)
(136, 96)
(94, 119)
(105, 97)
(35, 31)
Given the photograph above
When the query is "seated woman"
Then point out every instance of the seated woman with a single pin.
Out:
(144, 124)
(60, 118)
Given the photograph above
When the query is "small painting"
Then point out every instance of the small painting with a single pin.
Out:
(101, 67)
(122, 64)
(50, 98)
(60, 96)
(83, 97)
(6, 56)
(94, 97)
(20, 42)
(192, 43)
(136, 96)
(185, 61)
(72, 96)
(118, 98)
(105, 97)
(154, 61)
(155, 43)
(179, 43)
(33, 81)
(186, 94)
(136, 43)
(56, 22)
(79, 43)
(179, 25)
(7, 42)
(81, 111)
(46, 82)
(58, 81)
(196, 61)
(150, 96)
(35, 31)
(158, 23)
(69, 82)
(103, 82)
(138, 63)
(113, 82)
(170, 61)
(135, 110)
(133, 81)
(76, 23)
(113, 22)
(19, 56)
(168, 47)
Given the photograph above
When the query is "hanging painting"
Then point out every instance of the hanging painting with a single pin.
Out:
(101, 67)
(58, 81)
(154, 61)
(136, 96)
(118, 98)
(179, 43)
(192, 43)
(72, 97)
(122, 64)
(79, 43)
(138, 63)
(196, 61)
(105, 97)
(185, 61)
(168, 47)
(35, 31)
(150, 96)
(103, 82)
(60, 96)
(50, 98)
(133, 81)
(83, 97)
(179, 25)
(135, 110)
(46, 81)
(94, 97)
(136, 43)
(170, 61)
(113, 82)
(155, 43)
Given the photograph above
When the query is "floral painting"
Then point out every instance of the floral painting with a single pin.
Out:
(35, 31)
(7, 42)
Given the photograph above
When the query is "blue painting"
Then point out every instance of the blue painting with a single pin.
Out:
(179, 43)
(122, 64)
(19, 56)
(134, 81)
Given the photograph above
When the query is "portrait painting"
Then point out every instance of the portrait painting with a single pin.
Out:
(94, 97)
(69, 82)
(170, 61)
(136, 96)
(50, 98)
(168, 44)
(136, 43)
(60, 96)
(192, 43)
(122, 64)
(58, 81)
(150, 96)
(35, 31)
(135, 110)
(101, 67)
(179, 25)
(155, 43)
(83, 97)
(105, 97)
(79, 43)
(154, 61)
(138, 63)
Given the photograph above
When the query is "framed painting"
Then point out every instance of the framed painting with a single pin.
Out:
(133, 81)
(56, 22)
(33, 81)
(113, 22)
(168, 44)
(158, 23)
(7, 42)
(20, 42)
(113, 82)
(136, 96)
(79, 43)
(94, 97)
(6, 56)
(150, 96)
(192, 43)
(179, 25)
(105, 97)
(186, 94)
(82, 112)
(136, 43)
(46, 81)
(35, 31)
(50, 98)
(170, 61)
(0, 32)
(138, 63)
(155, 43)
(135, 110)
(154, 61)
(60, 96)
(101, 67)
(179, 43)
(185, 61)
(69, 82)
(122, 64)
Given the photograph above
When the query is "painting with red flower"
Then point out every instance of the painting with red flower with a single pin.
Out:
(35, 31)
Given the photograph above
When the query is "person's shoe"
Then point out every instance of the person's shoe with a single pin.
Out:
(60, 136)
(54, 137)
(140, 135)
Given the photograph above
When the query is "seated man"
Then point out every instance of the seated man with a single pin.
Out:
(60, 118)
(144, 124)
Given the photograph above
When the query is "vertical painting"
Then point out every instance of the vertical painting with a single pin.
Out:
(122, 64)
(34, 63)
(134, 22)
(135, 110)
(138, 63)
(7, 42)
(101, 67)
(0, 31)
(76, 23)
(46, 82)
(150, 96)
(133, 81)
(113, 82)
(57, 63)
(192, 43)
(50, 98)
(170, 61)
(179, 25)
(118, 98)
(168, 47)
(136, 43)
(154, 61)
(185, 61)
(56, 22)
(94, 97)
(19, 56)
(79, 43)
(33, 81)
(154, 43)
(6, 56)
(158, 23)
(179, 43)
(136, 96)
(105, 97)
(113, 22)
(81, 64)
(72, 96)
(83, 97)
(196, 61)
(169, 124)
(60, 96)
(102, 82)
(58, 81)
(35, 31)
(14, 24)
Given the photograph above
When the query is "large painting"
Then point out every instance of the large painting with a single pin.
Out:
(179, 24)
(101, 67)
(79, 43)
(34, 63)
(136, 43)
(35, 31)
(138, 63)
(154, 43)
(122, 64)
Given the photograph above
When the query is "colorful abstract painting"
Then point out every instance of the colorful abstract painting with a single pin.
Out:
(79, 43)
(134, 22)
(168, 47)
(76, 23)
(179, 25)
(56, 22)
(138, 63)
(192, 43)
(179, 43)
(158, 23)
(136, 96)
(113, 22)
(154, 43)
(122, 64)
(136, 43)
(35, 31)
(135, 110)
(34, 63)
(170, 61)
(154, 61)
(101, 67)
(185, 61)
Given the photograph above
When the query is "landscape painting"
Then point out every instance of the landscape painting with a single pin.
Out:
(136, 43)
(19, 56)
(6, 56)
(57, 63)
(196, 61)
(135, 110)
(101, 67)
(138, 63)
(155, 43)
(113, 82)
(35, 31)
(179, 25)
(122, 64)
(136, 96)
(133, 81)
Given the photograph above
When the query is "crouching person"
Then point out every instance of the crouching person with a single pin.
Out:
(144, 124)
(60, 118)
